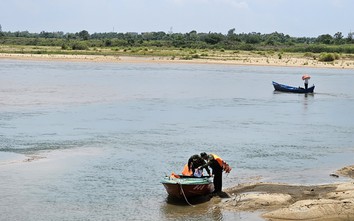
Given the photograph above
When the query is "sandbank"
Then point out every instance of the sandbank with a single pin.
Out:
(279, 201)
(245, 58)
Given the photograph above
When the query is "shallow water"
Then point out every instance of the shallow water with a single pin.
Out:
(101, 136)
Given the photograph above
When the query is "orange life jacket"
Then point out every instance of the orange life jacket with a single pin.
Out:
(222, 163)
(186, 171)
(173, 175)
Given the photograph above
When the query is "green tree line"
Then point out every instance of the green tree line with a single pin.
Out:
(231, 41)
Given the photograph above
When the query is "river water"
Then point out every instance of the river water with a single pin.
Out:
(91, 141)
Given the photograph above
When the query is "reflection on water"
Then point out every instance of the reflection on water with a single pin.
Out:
(204, 211)
(308, 98)
(190, 201)
(145, 121)
(201, 209)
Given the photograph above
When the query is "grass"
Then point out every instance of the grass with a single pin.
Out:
(174, 53)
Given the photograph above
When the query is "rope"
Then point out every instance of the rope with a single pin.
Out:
(184, 195)
(236, 201)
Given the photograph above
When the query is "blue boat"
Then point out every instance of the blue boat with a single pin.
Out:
(286, 88)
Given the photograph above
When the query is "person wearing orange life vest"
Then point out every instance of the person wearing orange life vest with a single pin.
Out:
(218, 165)
(194, 162)
(187, 171)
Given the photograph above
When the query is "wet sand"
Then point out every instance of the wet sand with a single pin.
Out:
(244, 58)
(295, 202)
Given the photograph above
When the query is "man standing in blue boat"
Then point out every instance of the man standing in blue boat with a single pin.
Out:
(218, 165)
(306, 80)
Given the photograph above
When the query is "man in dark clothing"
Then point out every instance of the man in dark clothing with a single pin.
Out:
(196, 161)
(217, 165)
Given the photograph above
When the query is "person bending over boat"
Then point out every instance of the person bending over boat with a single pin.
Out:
(218, 165)
(194, 162)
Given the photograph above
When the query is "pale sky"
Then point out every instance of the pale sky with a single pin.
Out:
(298, 18)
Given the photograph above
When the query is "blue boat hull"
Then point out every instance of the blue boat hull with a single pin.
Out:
(290, 89)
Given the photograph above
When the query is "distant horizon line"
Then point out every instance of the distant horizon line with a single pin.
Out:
(167, 32)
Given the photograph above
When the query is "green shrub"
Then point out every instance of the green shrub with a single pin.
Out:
(280, 56)
(308, 55)
(64, 47)
(80, 46)
(186, 57)
(326, 57)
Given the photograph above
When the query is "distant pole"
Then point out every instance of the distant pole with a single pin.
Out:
(171, 30)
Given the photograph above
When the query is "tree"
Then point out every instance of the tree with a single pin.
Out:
(178, 40)
(194, 32)
(253, 38)
(84, 35)
(350, 37)
(325, 39)
(213, 38)
(231, 32)
(338, 38)
(338, 35)
(232, 37)
(191, 36)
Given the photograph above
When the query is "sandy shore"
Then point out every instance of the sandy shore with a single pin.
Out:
(295, 202)
(245, 58)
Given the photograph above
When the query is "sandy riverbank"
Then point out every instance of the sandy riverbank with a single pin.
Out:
(295, 202)
(244, 58)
